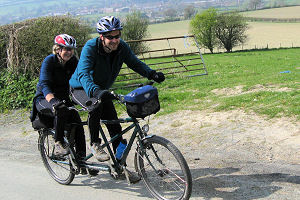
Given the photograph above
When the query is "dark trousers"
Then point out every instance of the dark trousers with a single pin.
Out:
(105, 111)
(62, 117)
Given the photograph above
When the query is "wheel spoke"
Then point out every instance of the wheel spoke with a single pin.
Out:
(58, 167)
(164, 169)
(165, 177)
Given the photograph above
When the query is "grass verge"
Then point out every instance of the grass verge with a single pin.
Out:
(265, 82)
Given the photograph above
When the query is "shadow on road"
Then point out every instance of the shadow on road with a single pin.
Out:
(208, 183)
(222, 183)
(106, 182)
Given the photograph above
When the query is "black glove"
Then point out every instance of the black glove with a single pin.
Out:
(103, 95)
(157, 76)
(55, 101)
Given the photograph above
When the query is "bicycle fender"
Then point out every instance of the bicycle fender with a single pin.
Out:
(148, 136)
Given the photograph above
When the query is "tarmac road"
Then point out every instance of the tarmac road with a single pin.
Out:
(30, 181)
(234, 156)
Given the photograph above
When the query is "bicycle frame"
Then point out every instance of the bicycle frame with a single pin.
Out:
(137, 132)
(137, 129)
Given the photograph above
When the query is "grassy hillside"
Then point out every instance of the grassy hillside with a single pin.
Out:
(265, 82)
(285, 12)
(178, 28)
(260, 34)
(274, 35)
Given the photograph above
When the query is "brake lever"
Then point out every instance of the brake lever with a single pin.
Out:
(147, 83)
(59, 104)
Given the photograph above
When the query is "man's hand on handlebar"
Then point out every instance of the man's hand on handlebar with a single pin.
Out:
(157, 76)
(103, 95)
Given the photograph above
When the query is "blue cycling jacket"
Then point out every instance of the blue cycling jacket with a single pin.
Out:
(97, 69)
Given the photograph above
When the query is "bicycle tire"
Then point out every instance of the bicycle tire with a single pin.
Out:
(167, 176)
(59, 168)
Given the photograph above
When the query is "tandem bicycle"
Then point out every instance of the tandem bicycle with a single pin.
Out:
(161, 166)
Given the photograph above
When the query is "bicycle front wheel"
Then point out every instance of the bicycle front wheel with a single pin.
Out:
(59, 168)
(163, 169)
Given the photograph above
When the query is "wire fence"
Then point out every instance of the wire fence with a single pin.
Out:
(248, 47)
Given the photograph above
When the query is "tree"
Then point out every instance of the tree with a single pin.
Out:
(135, 28)
(203, 27)
(189, 11)
(277, 3)
(230, 30)
(254, 4)
(24, 45)
(170, 13)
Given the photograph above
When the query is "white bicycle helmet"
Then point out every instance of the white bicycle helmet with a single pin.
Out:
(65, 40)
(108, 23)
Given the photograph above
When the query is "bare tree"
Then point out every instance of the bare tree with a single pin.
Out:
(189, 11)
(170, 13)
(254, 4)
(135, 28)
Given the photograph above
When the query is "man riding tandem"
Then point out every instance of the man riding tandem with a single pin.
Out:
(98, 67)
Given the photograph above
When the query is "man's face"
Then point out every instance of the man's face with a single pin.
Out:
(111, 39)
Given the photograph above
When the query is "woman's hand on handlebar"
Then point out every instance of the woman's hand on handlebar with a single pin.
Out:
(57, 104)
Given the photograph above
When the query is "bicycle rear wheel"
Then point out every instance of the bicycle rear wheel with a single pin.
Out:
(59, 168)
(163, 169)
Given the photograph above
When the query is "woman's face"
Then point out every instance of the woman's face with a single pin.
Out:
(66, 53)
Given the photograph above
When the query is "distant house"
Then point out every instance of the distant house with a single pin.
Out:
(124, 9)
(108, 10)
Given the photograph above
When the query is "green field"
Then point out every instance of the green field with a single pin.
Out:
(260, 34)
(274, 35)
(285, 12)
(266, 82)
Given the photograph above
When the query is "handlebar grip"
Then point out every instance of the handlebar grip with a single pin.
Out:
(147, 83)
(59, 104)
(88, 103)
(150, 83)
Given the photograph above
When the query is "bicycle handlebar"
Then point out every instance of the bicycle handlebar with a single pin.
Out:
(147, 83)
(59, 104)
(118, 97)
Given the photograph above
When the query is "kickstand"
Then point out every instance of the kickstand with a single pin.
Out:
(126, 175)
(113, 172)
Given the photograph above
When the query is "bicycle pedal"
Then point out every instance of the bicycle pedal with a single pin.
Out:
(83, 171)
(92, 172)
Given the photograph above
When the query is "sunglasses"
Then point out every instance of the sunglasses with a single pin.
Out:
(110, 37)
(68, 48)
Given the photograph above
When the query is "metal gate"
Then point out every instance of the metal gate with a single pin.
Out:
(174, 56)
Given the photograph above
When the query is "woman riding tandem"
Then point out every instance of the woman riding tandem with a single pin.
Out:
(53, 90)
(99, 65)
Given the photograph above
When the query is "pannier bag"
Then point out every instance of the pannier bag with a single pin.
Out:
(42, 121)
(142, 102)
(38, 120)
